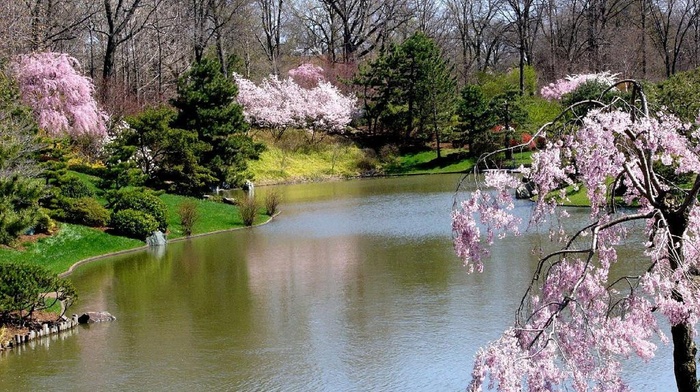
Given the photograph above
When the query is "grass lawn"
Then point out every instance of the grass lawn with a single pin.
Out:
(73, 243)
(452, 161)
(426, 162)
(213, 216)
(292, 159)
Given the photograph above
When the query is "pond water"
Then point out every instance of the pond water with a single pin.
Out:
(354, 287)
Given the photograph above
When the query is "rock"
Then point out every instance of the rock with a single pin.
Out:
(525, 190)
(95, 317)
(230, 200)
(156, 239)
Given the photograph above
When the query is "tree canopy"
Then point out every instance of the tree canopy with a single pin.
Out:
(408, 87)
(206, 105)
(578, 320)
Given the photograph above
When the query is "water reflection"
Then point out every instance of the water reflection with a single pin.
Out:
(354, 287)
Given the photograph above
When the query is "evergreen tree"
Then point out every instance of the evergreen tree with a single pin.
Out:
(206, 105)
(165, 158)
(509, 112)
(411, 88)
(20, 187)
(475, 121)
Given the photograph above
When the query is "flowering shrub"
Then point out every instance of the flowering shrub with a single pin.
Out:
(280, 104)
(307, 75)
(570, 83)
(61, 99)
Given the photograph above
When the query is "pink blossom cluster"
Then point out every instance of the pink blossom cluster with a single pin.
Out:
(576, 325)
(556, 90)
(281, 104)
(494, 214)
(61, 98)
(307, 75)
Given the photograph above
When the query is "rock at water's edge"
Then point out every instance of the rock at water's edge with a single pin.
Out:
(156, 239)
(525, 190)
(95, 317)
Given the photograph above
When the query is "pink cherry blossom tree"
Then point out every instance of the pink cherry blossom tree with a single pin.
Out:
(577, 320)
(307, 75)
(61, 99)
(277, 105)
(555, 91)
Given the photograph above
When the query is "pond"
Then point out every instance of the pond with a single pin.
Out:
(354, 287)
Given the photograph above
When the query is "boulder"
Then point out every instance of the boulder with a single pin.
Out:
(156, 239)
(95, 317)
(525, 190)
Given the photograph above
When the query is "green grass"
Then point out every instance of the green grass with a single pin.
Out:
(575, 196)
(213, 216)
(426, 162)
(452, 161)
(322, 162)
(73, 243)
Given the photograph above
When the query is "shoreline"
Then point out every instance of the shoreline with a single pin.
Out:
(295, 181)
(88, 260)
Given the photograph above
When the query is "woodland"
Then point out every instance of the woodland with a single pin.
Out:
(152, 97)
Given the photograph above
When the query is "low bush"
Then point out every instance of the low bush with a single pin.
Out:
(133, 223)
(44, 224)
(84, 211)
(189, 215)
(74, 187)
(248, 208)
(272, 201)
(144, 201)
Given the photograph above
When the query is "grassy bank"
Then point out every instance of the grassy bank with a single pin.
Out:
(73, 243)
(294, 158)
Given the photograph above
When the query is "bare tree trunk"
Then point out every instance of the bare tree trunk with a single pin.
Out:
(684, 349)
(684, 352)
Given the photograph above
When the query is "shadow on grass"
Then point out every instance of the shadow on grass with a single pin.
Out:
(434, 164)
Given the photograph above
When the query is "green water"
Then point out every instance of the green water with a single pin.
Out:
(354, 287)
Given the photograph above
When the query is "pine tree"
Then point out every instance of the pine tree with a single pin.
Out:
(206, 105)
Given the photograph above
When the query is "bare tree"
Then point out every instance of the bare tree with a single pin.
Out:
(564, 30)
(54, 21)
(524, 18)
(479, 31)
(364, 25)
(600, 14)
(315, 28)
(271, 18)
(123, 19)
(671, 22)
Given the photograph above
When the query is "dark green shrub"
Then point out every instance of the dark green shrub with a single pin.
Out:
(143, 201)
(368, 162)
(590, 90)
(248, 209)
(679, 94)
(188, 216)
(74, 187)
(85, 211)
(44, 224)
(133, 223)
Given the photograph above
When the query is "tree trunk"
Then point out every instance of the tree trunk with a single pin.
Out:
(684, 351)
(684, 348)
(108, 66)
